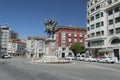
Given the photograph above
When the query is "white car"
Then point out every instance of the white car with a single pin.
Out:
(87, 59)
(6, 56)
(92, 59)
(106, 60)
(70, 58)
(81, 57)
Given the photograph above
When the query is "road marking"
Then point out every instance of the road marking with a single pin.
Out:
(99, 67)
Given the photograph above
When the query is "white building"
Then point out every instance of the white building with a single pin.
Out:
(35, 46)
(16, 47)
(103, 25)
(7, 34)
(0, 38)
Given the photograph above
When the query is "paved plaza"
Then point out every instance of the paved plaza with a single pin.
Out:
(24, 69)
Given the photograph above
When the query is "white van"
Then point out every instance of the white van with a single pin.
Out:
(81, 57)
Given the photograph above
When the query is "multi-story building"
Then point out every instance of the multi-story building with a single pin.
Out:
(16, 47)
(7, 34)
(35, 46)
(103, 26)
(0, 39)
(66, 36)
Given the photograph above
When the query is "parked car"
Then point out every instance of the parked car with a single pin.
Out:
(69, 57)
(106, 60)
(93, 59)
(81, 57)
(87, 59)
(6, 56)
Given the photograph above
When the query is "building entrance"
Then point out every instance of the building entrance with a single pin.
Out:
(63, 55)
(116, 53)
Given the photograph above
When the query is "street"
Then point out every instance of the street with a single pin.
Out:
(23, 69)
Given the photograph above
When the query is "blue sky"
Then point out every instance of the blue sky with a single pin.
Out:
(27, 16)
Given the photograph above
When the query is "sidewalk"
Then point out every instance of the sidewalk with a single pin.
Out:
(118, 62)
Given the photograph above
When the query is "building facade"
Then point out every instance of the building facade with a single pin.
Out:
(0, 38)
(6, 35)
(35, 46)
(65, 36)
(103, 26)
(16, 47)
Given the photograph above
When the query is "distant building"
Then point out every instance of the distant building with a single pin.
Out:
(6, 35)
(103, 26)
(0, 38)
(35, 46)
(66, 36)
(16, 47)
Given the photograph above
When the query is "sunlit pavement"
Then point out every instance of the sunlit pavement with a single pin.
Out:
(24, 69)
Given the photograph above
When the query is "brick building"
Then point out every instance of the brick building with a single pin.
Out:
(66, 36)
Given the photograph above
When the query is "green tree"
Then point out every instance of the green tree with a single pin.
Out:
(77, 48)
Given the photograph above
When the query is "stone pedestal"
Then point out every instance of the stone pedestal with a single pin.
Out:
(50, 49)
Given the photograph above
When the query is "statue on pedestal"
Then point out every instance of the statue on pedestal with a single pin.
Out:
(50, 42)
(50, 27)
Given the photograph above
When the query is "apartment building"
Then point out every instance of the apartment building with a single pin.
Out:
(0, 39)
(6, 35)
(16, 47)
(35, 46)
(65, 36)
(103, 26)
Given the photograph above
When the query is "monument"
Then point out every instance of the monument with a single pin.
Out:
(50, 41)
(50, 50)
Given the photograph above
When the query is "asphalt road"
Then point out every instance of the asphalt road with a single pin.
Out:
(23, 69)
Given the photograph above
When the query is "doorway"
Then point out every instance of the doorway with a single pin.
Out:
(116, 53)
(63, 55)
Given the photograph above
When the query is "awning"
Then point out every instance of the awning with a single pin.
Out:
(102, 50)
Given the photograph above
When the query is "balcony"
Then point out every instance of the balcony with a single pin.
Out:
(108, 6)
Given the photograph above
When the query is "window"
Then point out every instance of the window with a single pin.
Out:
(63, 34)
(102, 23)
(116, 0)
(110, 12)
(88, 21)
(96, 1)
(97, 16)
(98, 33)
(92, 34)
(92, 10)
(92, 18)
(111, 32)
(110, 22)
(88, 36)
(75, 39)
(115, 41)
(117, 30)
(88, 13)
(117, 19)
(63, 49)
(88, 28)
(88, 5)
(101, 14)
(98, 7)
(92, 26)
(97, 24)
(97, 43)
(116, 9)
(109, 2)
(102, 32)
